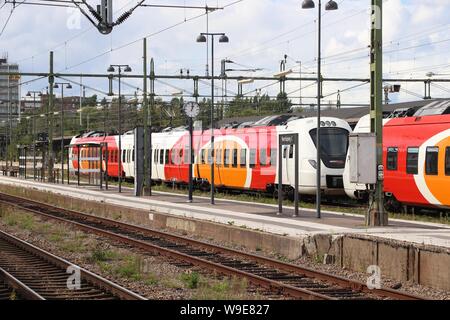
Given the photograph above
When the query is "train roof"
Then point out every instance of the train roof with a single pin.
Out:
(409, 121)
(434, 108)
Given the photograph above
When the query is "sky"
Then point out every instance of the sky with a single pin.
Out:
(416, 40)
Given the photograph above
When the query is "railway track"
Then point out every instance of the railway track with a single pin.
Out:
(274, 275)
(30, 273)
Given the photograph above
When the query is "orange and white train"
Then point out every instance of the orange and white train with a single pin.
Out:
(244, 158)
(416, 153)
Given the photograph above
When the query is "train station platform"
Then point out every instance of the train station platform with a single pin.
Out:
(407, 250)
(257, 216)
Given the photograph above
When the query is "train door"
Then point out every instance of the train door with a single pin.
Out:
(218, 163)
(285, 164)
(290, 165)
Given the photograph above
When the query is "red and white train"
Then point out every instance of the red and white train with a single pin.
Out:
(416, 153)
(244, 158)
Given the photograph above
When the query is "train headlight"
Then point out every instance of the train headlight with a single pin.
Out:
(333, 123)
(322, 124)
(313, 163)
(328, 123)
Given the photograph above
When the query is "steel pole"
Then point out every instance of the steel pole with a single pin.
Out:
(319, 93)
(33, 135)
(212, 121)
(191, 158)
(51, 80)
(376, 215)
(147, 156)
(62, 134)
(120, 132)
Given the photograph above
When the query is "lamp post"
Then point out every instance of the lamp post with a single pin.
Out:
(33, 129)
(202, 39)
(56, 86)
(331, 5)
(121, 68)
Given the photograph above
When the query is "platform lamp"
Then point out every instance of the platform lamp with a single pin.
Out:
(121, 68)
(331, 5)
(202, 39)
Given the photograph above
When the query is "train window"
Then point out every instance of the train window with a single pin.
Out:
(392, 158)
(173, 157)
(227, 157)
(124, 155)
(263, 157)
(202, 153)
(412, 161)
(161, 156)
(166, 158)
(219, 157)
(243, 158)
(252, 158)
(235, 158)
(291, 151)
(210, 156)
(447, 161)
(273, 156)
(285, 148)
(132, 155)
(431, 161)
(186, 156)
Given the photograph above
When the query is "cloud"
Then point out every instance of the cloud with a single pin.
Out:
(261, 32)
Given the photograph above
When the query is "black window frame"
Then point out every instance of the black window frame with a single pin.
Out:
(447, 161)
(432, 161)
(234, 158)
(409, 160)
(166, 156)
(227, 157)
(392, 159)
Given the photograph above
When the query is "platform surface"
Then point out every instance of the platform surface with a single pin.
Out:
(251, 215)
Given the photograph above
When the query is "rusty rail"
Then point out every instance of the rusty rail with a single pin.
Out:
(39, 275)
(286, 278)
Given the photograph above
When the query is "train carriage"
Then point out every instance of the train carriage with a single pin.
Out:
(416, 156)
(244, 158)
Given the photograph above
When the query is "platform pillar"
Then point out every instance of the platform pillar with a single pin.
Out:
(376, 215)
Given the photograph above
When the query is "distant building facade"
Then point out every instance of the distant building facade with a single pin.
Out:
(9, 91)
(71, 103)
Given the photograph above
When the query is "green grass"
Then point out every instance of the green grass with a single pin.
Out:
(191, 280)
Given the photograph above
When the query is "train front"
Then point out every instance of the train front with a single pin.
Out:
(334, 135)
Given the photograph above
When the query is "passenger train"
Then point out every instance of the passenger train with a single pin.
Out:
(244, 158)
(416, 156)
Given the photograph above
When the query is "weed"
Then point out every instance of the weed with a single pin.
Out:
(191, 280)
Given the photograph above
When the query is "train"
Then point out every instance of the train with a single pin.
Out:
(244, 158)
(416, 156)
(416, 159)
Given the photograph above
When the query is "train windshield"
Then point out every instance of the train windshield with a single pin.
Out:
(333, 146)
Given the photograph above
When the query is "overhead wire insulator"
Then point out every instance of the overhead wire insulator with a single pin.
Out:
(124, 16)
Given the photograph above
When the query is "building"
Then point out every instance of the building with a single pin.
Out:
(9, 91)
(9, 101)
(30, 106)
(71, 103)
